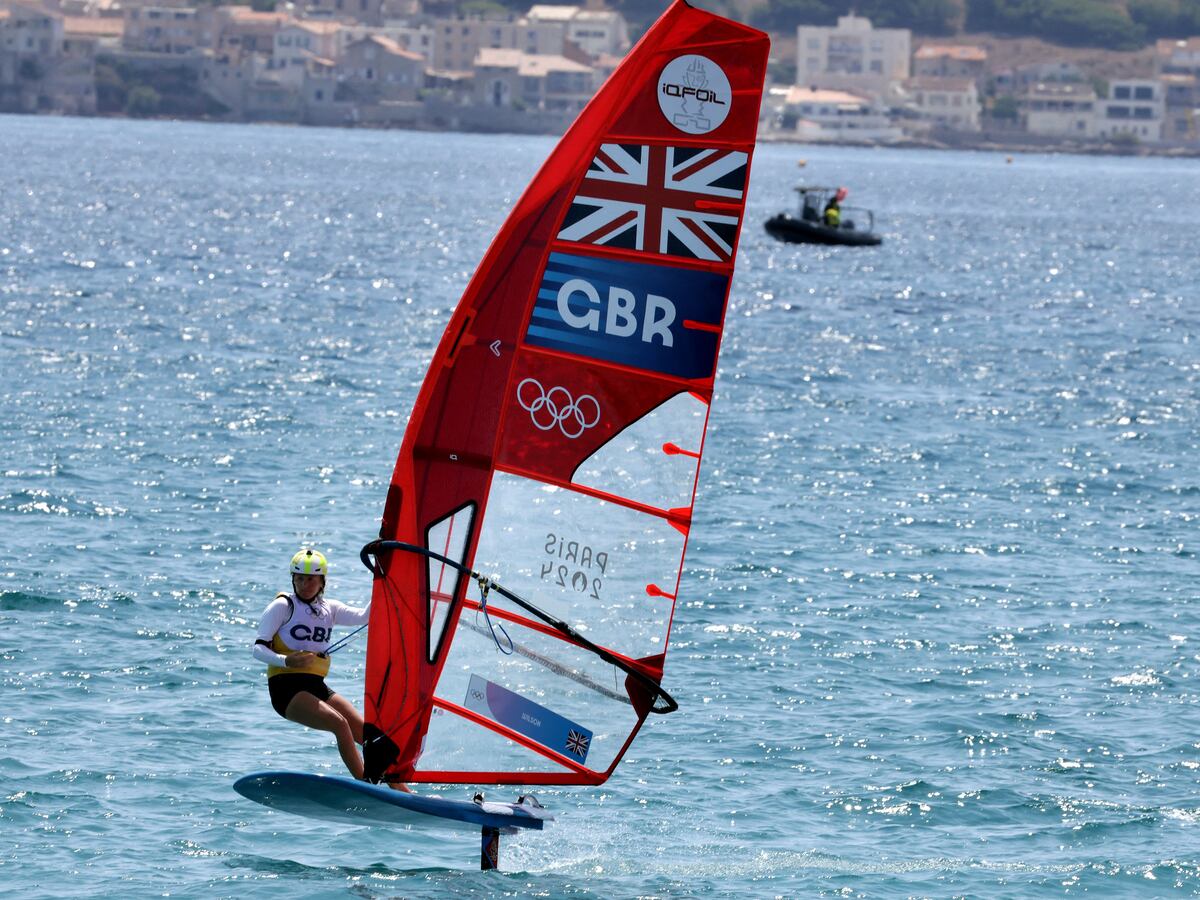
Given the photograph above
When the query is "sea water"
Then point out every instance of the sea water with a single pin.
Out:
(937, 632)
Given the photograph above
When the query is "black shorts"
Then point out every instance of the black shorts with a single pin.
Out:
(285, 686)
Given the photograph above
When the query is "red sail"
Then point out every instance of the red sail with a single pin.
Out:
(555, 443)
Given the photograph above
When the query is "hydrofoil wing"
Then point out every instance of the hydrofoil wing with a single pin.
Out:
(353, 802)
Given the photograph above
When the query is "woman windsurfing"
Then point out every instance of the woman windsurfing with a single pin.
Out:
(293, 640)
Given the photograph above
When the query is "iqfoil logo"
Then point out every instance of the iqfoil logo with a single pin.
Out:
(694, 94)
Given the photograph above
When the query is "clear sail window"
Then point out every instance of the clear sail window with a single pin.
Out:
(447, 537)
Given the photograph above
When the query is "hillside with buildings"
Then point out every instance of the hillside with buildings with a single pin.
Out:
(402, 63)
(1110, 24)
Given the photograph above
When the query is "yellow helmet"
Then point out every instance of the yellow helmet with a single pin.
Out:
(309, 562)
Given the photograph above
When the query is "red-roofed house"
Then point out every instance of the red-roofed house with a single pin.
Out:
(296, 44)
(107, 32)
(818, 114)
(41, 68)
(376, 69)
(240, 29)
(507, 78)
(950, 61)
(1178, 57)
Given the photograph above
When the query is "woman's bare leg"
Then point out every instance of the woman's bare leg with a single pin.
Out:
(351, 715)
(307, 710)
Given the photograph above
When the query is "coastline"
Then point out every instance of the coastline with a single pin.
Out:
(994, 145)
(987, 144)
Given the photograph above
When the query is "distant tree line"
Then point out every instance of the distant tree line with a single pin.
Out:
(1087, 23)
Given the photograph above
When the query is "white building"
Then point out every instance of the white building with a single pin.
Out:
(1181, 118)
(595, 31)
(379, 69)
(163, 29)
(299, 43)
(108, 33)
(510, 78)
(945, 102)
(1058, 110)
(1182, 57)
(950, 61)
(28, 29)
(225, 76)
(455, 42)
(414, 38)
(43, 66)
(1134, 106)
(853, 56)
(1177, 63)
(239, 29)
(813, 114)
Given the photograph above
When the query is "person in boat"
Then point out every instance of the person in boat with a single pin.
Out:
(833, 212)
(293, 637)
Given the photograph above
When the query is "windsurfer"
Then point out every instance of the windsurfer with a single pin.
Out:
(293, 639)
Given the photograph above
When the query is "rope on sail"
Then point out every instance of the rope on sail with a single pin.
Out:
(485, 585)
(554, 666)
(342, 643)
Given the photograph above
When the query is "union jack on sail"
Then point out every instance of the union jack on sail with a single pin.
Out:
(678, 201)
(577, 743)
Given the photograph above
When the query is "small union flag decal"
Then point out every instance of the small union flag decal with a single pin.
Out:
(577, 743)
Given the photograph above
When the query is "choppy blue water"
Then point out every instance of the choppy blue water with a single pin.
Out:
(938, 630)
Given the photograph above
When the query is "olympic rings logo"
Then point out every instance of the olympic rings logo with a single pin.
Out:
(548, 408)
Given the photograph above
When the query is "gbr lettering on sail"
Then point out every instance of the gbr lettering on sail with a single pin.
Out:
(651, 317)
(625, 314)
